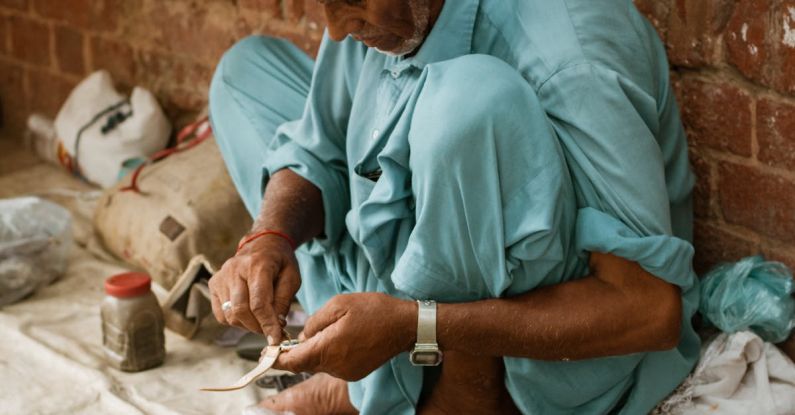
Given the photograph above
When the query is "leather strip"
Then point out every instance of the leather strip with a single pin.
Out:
(269, 357)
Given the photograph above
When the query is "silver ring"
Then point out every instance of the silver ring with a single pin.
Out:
(226, 306)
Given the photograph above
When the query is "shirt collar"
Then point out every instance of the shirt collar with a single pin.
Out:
(450, 37)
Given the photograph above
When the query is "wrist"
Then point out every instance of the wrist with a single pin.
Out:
(408, 324)
(426, 350)
(256, 237)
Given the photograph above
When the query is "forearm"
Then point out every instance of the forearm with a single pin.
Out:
(291, 205)
(596, 316)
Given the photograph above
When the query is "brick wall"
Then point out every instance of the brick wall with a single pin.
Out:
(734, 70)
(168, 46)
(733, 67)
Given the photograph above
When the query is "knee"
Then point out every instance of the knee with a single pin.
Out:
(237, 57)
(468, 102)
(248, 56)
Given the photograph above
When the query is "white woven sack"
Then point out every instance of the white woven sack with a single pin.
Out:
(88, 108)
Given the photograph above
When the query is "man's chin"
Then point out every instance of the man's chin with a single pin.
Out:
(385, 45)
(393, 53)
(407, 47)
(392, 45)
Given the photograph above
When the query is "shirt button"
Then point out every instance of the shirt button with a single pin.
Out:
(395, 74)
(375, 134)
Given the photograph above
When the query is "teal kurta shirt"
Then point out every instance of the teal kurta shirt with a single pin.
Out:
(601, 75)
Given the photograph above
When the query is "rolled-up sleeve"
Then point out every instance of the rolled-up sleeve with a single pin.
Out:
(608, 127)
(314, 145)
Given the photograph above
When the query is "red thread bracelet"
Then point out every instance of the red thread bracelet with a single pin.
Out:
(265, 233)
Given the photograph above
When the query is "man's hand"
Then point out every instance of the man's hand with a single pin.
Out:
(352, 335)
(260, 282)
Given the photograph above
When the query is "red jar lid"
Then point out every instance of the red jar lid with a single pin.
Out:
(131, 284)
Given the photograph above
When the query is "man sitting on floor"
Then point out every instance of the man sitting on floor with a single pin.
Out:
(520, 162)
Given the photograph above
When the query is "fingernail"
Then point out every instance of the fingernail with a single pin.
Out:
(270, 341)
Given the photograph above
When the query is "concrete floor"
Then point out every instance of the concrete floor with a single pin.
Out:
(23, 173)
(14, 156)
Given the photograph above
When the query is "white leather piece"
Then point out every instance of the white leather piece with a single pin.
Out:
(269, 357)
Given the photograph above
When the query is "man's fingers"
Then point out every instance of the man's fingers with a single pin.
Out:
(306, 357)
(285, 290)
(261, 301)
(326, 316)
(217, 312)
(218, 295)
(240, 315)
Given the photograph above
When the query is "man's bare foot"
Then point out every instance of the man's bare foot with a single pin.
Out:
(319, 395)
(469, 385)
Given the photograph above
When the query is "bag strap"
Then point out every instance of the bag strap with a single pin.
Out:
(199, 131)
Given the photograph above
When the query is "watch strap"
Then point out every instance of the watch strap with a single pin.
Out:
(426, 322)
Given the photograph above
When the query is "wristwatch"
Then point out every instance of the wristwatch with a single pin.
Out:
(426, 351)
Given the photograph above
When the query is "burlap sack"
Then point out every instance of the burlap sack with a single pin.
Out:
(187, 206)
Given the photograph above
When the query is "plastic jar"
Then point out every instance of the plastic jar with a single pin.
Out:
(132, 323)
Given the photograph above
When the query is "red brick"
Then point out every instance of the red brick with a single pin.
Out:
(783, 33)
(116, 57)
(299, 38)
(48, 92)
(702, 194)
(182, 105)
(293, 10)
(30, 40)
(69, 50)
(780, 253)
(199, 33)
(776, 133)
(14, 4)
(272, 7)
(746, 38)
(788, 347)
(315, 17)
(157, 69)
(12, 98)
(99, 15)
(717, 115)
(187, 99)
(760, 201)
(657, 12)
(5, 47)
(761, 42)
(715, 245)
(694, 31)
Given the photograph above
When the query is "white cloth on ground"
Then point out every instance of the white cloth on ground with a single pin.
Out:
(51, 359)
(738, 374)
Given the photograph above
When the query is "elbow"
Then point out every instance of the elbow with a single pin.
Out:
(667, 324)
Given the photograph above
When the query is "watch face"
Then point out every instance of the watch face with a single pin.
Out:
(426, 358)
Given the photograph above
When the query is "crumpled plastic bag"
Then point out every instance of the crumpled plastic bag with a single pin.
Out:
(35, 240)
(751, 294)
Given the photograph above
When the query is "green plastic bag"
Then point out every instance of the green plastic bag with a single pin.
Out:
(751, 294)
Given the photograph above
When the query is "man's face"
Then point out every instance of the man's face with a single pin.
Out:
(395, 27)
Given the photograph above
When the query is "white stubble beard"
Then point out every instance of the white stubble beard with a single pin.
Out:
(420, 12)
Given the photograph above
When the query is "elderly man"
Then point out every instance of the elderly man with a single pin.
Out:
(517, 165)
